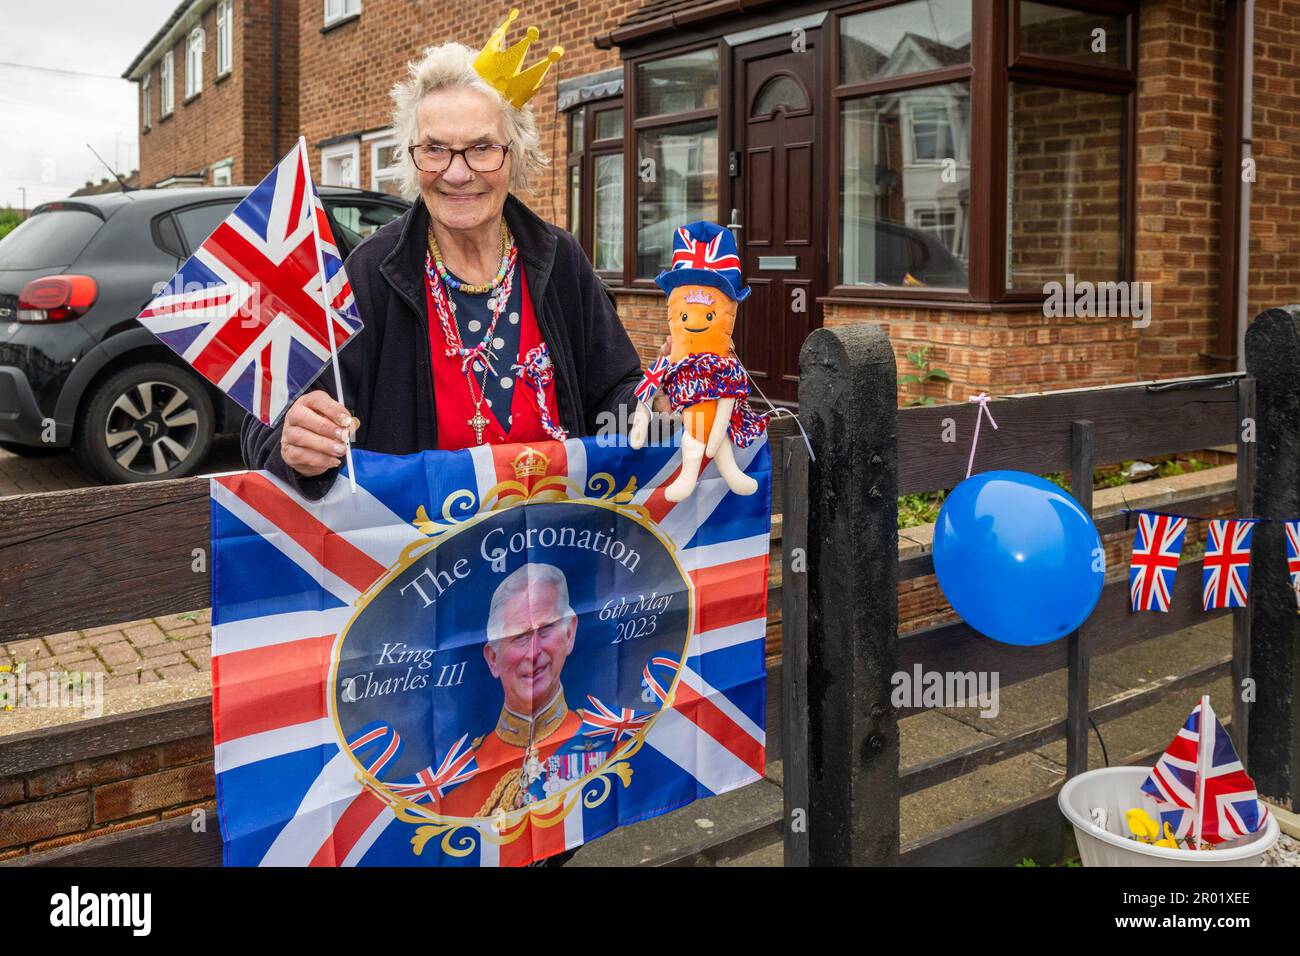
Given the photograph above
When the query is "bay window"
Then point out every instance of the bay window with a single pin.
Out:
(904, 132)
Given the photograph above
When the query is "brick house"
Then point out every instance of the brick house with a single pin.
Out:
(218, 92)
(929, 165)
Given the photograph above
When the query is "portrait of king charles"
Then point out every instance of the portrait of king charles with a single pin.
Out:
(536, 748)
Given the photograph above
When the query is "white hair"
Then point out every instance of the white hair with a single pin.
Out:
(450, 66)
(520, 580)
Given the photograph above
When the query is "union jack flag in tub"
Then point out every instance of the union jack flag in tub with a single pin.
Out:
(484, 657)
(1200, 776)
(245, 310)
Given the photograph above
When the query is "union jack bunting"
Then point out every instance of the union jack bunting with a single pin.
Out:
(1226, 578)
(245, 309)
(383, 694)
(1157, 546)
(1293, 556)
(652, 380)
(1200, 777)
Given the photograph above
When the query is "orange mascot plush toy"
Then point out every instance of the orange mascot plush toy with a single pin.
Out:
(701, 377)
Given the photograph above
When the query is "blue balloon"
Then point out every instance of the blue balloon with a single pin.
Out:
(1016, 557)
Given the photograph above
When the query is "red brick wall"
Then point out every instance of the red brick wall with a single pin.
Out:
(1180, 121)
(231, 116)
(1275, 195)
(347, 72)
(56, 806)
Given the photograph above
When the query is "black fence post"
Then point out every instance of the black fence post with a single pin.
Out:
(1273, 360)
(1083, 450)
(794, 647)
(848, 402)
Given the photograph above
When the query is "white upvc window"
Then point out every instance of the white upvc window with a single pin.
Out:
(168, 73)
(383, 177)
(146, 103)
(341, 165)
(194, 62)
(340, 9)
(225, 31)
(221, 174)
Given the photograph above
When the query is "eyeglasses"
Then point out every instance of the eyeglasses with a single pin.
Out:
(482, 158)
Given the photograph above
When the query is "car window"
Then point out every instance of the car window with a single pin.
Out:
(198, 222)
(48, 239)
(355, 219)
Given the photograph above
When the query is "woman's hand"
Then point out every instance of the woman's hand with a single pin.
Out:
(311, 442)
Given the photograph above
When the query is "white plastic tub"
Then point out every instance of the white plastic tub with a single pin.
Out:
(1118, 790)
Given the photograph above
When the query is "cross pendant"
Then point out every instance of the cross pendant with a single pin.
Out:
(478, 423)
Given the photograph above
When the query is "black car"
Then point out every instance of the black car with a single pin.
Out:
(76, 368)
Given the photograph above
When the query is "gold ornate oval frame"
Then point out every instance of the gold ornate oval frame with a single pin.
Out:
(507, 827)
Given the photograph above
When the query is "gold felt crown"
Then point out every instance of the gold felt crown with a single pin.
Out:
(499, 64)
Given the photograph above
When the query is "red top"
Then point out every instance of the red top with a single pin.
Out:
(452, 390)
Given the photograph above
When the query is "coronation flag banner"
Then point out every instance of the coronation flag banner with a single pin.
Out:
(246, 309)
(483, 657)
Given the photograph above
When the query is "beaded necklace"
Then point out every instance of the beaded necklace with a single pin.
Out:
(451, 280)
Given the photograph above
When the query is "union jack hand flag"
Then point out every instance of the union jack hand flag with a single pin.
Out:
(1157, 546)
(245, 310)
(1202, 770)
(652, 380)
(1226, 577)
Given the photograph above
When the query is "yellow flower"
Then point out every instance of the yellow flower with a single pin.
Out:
(1141, 825)
(1169, 840)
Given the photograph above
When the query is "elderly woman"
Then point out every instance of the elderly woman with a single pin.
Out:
(483, 323)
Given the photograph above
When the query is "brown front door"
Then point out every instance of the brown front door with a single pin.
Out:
(779, 199)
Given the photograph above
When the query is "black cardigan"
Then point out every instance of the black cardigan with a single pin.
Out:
(387, 371)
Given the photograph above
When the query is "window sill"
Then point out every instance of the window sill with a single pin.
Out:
(340, 22)
(954, 304)
(191, 98)
(166, 116)
(652, 290)
(221, 77)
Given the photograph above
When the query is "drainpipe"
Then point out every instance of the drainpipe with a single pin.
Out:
(1247, 60)
(275, 83)
(1234, 228)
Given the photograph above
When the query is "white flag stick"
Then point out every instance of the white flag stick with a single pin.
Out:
(325, 305)
(1202, 764)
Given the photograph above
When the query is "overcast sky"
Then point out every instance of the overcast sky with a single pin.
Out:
(49, 111)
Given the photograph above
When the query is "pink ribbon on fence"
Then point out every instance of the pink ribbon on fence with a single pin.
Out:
(983, 401)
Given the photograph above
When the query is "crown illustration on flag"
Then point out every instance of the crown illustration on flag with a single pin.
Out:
(704, 253)
(530, 462)
(499, 64)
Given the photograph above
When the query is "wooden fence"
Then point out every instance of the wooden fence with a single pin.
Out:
(840, 734)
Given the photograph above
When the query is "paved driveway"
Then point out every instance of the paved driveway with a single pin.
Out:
(21, 476)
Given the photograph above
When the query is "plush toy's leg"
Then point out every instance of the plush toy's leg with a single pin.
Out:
(718, 433)
(692, 456)
(640, 422)
(736, 480)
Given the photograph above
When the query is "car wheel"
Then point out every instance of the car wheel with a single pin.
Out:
(145, 423)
